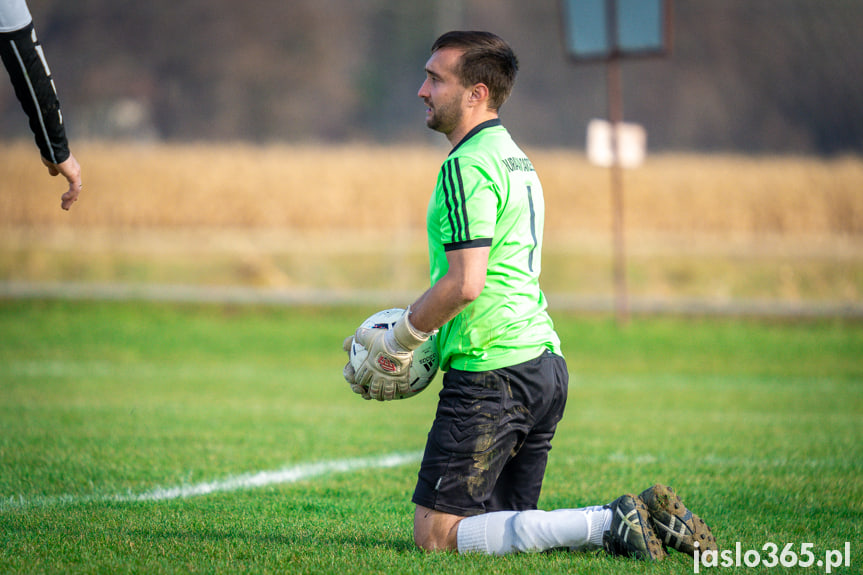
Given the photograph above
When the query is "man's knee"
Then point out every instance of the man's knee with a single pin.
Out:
(434, 530)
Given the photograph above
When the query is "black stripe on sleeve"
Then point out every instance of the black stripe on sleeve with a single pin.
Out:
(462, 201)
(449, 200)
(34, 88)
(477, 243)
(456, 202)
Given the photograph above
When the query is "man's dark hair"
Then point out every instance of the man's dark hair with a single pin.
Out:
(487, 59)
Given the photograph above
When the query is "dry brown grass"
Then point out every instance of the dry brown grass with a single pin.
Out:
(714, 227)
(714, 195)
(311, 188)
(297, 188)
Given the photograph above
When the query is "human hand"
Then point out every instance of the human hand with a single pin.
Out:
(384, 375)
(71, 170)
(348, 372)
(384, 372)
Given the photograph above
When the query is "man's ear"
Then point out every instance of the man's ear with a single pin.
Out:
(479, 95)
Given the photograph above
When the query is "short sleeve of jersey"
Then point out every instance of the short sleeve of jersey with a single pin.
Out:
(467, 204)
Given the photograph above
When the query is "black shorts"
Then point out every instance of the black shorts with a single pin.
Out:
(489, 443)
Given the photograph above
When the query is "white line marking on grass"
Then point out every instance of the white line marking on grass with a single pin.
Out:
(291, 474)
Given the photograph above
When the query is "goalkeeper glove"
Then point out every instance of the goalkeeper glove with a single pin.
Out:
(385, 373)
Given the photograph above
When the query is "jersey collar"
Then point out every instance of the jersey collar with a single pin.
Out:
(476, 129)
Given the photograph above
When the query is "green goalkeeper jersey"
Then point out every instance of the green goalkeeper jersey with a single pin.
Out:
(488, 194)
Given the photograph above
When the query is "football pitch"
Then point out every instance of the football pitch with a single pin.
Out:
(205, 438)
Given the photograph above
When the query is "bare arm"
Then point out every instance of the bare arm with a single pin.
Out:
(462, 284)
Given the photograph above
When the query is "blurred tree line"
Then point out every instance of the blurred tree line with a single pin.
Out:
(745, 75)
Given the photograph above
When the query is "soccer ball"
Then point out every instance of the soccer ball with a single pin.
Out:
(425, 361)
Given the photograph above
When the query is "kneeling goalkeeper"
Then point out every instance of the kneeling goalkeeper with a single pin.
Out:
(505, 382)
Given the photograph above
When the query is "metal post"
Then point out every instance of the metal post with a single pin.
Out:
(581, 18)
(615, 116)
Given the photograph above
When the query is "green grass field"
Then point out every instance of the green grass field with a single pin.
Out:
(185, 438)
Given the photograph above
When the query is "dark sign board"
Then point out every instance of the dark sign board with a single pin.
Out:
(605, 29)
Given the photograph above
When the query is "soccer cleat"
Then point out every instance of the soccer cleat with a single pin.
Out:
(675, 525)
(631, 534)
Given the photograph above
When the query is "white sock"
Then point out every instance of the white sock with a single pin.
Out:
(503, 532)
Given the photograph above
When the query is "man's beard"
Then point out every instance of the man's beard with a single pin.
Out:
(445, 118)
